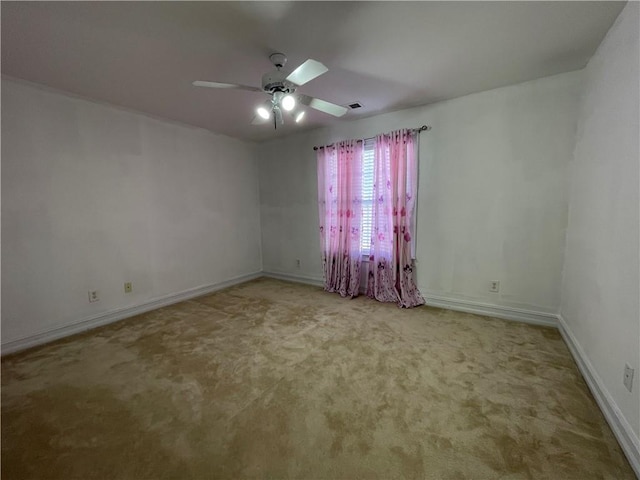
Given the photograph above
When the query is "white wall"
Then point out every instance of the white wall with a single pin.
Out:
(601, 286)
(93, 196)
(492, 193)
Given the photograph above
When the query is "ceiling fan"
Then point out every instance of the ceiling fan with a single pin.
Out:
(281, 87)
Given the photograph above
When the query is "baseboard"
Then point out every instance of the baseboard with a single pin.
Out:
(624, 433)
(490, 310)
(318, 282)
(498, 311)
(119, 314)
(622, 430)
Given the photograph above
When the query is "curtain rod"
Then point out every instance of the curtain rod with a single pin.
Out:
(423, 128)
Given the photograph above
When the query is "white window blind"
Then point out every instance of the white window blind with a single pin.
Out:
(367, 196)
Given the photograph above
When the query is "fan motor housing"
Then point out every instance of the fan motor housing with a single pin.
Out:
(276, 82)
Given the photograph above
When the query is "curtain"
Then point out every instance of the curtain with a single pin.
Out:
(390, 277)
(340, 211)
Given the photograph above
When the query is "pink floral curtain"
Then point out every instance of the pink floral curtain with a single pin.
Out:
(340, 211)
(390, 276)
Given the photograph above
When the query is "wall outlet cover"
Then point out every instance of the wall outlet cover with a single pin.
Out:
(128, 287)
(93, 296)
(494, 286)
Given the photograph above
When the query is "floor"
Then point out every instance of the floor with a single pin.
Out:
(270, 379)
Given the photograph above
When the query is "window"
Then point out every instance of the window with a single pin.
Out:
(367, 196)
(366, 228)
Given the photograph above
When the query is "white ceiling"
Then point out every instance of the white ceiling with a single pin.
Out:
(387, 55)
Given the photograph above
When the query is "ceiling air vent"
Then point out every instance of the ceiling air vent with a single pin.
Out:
(354, 105)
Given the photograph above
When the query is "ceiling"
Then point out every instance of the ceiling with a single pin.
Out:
(386, 55)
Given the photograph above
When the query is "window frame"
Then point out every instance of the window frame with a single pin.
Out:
(368, 166)
(368, 152)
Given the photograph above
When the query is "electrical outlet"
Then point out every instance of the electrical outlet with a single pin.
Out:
(128, 287)
(93, 296)
(628, 377)
(494, 286)
(297, 263)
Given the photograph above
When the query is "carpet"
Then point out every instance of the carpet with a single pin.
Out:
(271, 379)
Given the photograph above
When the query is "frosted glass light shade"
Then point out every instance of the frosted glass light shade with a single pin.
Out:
(288, 102)
(263, 112)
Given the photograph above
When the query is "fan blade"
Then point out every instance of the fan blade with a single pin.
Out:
(200, 83)
(306, 72)
(322, 105)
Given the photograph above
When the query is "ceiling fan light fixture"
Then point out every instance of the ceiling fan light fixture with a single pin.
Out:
(281, 89)
(263, 112)
(288, 102)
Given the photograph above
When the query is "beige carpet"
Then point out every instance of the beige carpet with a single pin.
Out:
(276, 380)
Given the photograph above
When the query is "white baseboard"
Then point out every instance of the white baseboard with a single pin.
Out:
(498, 311)
(318, 282)
(508, 313)
(119, 314)
(624, 433)
(490, 310)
